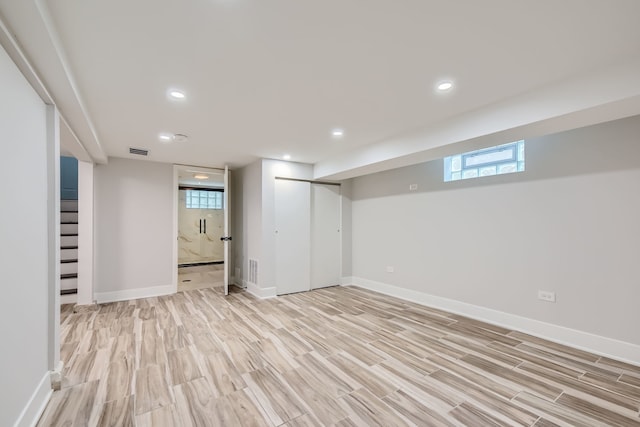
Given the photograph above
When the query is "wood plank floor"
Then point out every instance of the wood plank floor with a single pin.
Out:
(338, 356)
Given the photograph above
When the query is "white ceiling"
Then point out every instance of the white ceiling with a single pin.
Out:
(265, 78)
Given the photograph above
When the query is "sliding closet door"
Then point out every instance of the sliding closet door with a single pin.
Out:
(325, 236)
(292, 212)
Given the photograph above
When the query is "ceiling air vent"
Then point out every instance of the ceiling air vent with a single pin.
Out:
(138, 151)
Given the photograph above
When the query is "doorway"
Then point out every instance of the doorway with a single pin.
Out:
(202, 224)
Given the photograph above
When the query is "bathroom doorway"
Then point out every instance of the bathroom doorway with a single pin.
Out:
(201, 211)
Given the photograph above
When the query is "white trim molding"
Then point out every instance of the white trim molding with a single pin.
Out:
(612, 348)
(36, 404)
(262, 293)
(129, 294)
(56, 376)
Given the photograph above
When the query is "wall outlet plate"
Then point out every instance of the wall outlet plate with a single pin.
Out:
(389, 269)
(413, 187)
(547, 296)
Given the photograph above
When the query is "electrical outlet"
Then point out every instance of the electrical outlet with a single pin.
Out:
(547, 296)
(389, 269)
(413, 187)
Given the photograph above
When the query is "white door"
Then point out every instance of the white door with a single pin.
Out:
(292, 213)
(227, 229)
(326, 254)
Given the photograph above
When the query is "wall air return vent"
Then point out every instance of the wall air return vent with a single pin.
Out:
(253, 271)
(138, 151)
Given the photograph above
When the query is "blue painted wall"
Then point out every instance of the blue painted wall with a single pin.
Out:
(68, 178)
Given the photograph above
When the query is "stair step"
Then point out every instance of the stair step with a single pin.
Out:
(68, 247)
(68, 291)
(68, 254)
(68, 261)
(68, 205)
(67, 241)
(70, 283)
(68, 228)
(69, 276)
(68, 268)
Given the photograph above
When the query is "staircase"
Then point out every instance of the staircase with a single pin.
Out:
(68, 247)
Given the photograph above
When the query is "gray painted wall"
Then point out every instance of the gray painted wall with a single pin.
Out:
(24, 311)
(569, 224)
(133, 225)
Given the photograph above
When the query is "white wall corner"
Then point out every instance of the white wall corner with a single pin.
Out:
(612, 348)
(129, 294)
(262, 293)
(36, 404)
(56, 376)
(346, 281)
(85, 233)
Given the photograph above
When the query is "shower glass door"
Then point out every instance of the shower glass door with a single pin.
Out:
(200, 225)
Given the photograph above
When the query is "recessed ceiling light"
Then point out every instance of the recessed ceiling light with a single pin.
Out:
(287, 157)
(177, 94)
(165, 137)
(337, 133)
(180, 137)
(200, 176)
(444, 86)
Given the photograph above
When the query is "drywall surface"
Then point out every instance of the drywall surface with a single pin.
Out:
(568, 224)
(24, 257)
(133, 229)
(247, 223)
(346, 193)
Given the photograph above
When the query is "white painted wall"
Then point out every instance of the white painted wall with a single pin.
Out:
(85, 233)
(133, 229)
(247, 220)
(237, 217)
(346, 193)
(24, 255)
(569, 224)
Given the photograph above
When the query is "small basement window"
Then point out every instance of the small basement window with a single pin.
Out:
(498, 160)
(204, 199)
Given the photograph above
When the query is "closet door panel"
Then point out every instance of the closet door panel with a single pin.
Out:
(326, 254)
(292, 213)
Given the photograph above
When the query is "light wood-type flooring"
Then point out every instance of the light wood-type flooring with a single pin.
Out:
(339, 356)
(200, 277)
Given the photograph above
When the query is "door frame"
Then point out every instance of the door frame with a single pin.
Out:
(176, 198)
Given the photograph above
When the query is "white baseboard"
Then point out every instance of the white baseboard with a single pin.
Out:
(346, 281)
(615, 349)
(238, 282)
(259, 292)
(55, 376)
(36, 404)
(129, 294)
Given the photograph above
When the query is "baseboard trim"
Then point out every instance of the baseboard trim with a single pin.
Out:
(37, 403)
(608, 347)
(262, 293)
(55, 376)
(129, 294)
